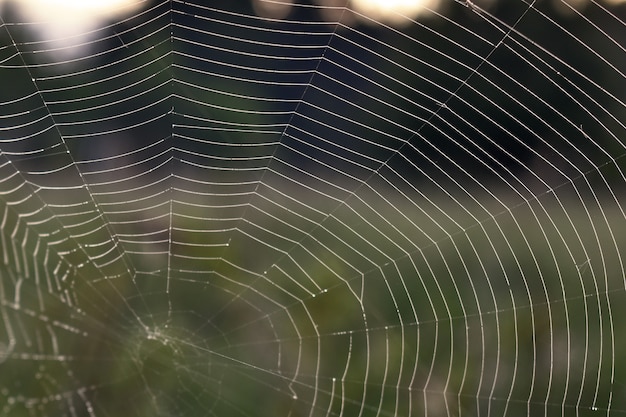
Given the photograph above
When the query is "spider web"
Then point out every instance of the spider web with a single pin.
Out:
(209, 212)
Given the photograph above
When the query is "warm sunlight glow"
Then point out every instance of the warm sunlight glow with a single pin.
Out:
(65, 23)
(394, 11)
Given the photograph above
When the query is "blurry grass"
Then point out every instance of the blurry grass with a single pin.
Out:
(503, 314)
